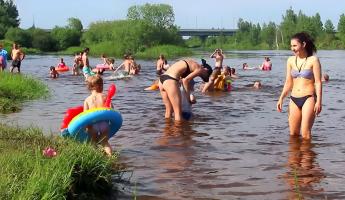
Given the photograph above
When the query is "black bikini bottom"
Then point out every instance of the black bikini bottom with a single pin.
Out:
(165, 77)
(299, 101)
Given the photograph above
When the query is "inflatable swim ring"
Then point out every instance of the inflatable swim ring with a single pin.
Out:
(62, 69)
(76, 128)
(153, 87)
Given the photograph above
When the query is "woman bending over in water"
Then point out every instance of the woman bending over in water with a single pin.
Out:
(303, 79)
(169, 84)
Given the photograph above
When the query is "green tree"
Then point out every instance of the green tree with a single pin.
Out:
(19, 36)
(268, 34)
(42, 40)
(329, 27)
(75, 23)
(8, 16)
(65, 37)
(341, 24)
(288, 26)
(160, 15)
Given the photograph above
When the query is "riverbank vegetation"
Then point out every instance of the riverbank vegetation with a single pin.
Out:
(277, 36)
(16, 89)
(150, 26)
(78, 169)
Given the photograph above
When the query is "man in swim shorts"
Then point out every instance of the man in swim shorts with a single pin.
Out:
(17, 57)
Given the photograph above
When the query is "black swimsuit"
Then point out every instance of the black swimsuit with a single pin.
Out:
(299, 101)
(165, 77)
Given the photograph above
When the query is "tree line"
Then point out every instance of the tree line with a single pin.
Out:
(151, 25)
(277, 36)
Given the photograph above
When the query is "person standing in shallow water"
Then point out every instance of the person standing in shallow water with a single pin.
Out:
(169, 84)
(303, 80)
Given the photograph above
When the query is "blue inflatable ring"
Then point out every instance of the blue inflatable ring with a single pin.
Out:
(77, 126)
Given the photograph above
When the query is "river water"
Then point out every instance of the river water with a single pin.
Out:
(237, 146)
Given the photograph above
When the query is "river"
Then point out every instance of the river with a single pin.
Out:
(237, 146)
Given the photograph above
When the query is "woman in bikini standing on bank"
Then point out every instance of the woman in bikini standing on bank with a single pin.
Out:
(169, 84)
(303, 79)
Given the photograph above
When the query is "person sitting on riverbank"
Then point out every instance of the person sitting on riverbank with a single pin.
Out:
(98, 132)
(53, 73)
(169, 84)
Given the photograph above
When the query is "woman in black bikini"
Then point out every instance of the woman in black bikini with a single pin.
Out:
(169, 84)
(303, 79)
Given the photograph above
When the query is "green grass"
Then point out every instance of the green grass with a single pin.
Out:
(15, 89)
(78, 170)
(169, 51)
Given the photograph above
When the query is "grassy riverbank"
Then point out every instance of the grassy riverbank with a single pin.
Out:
(16, 89)
(78, 169)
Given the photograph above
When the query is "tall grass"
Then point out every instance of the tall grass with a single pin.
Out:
(78, 169)
(15, 89)
(169, 51)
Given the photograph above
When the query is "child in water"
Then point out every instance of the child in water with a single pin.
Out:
(98, 131)
(53, 72)
(62, 63)
(110, 62)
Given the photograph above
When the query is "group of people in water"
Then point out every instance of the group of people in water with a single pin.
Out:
(303, 83)
(176, 83)
(81, 63)
(17, 55)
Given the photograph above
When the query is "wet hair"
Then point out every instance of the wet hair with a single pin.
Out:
(309, 42)
(232, 71)
(209, 70)
(110, 60)
(87, 49)
(244, 65)
(95, 83)
(259, 85)
(52, 68)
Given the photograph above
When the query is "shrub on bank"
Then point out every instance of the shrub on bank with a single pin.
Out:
(77, 169)
(169, 51)
(15, 89)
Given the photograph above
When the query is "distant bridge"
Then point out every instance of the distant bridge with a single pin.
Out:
(204, 33)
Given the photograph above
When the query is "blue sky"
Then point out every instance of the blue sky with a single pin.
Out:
(188, 13)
